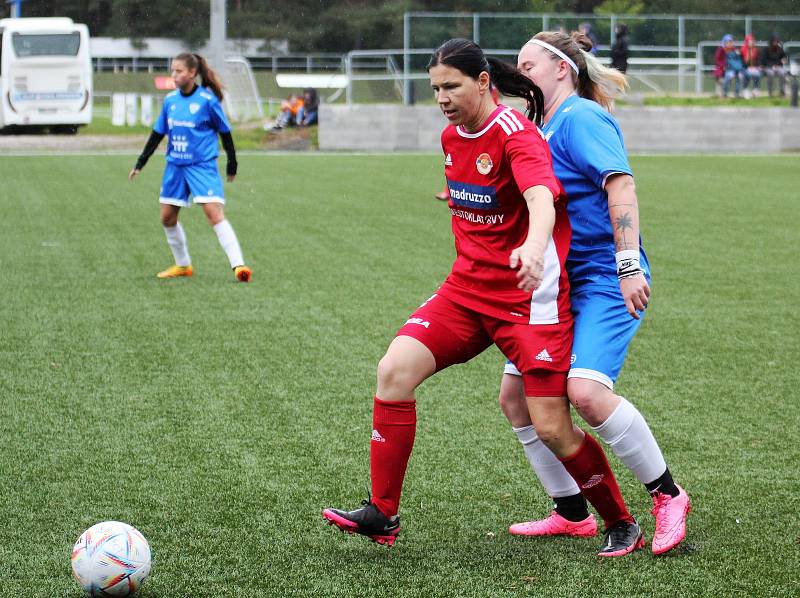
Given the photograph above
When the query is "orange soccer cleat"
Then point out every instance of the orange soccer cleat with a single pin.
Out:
(175, 272)
(242, 273)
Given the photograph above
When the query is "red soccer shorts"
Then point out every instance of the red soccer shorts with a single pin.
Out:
(455, 334)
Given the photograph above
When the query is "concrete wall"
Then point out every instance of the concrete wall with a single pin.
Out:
(391, 127)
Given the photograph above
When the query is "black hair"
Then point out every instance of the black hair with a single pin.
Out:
(467, 57)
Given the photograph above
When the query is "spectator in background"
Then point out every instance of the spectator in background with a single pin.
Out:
(734, 67)
(752, 66)
(619, 49)
(290, 107)
(773, 61)
(307, 114)
(719, 66)
(586, 29)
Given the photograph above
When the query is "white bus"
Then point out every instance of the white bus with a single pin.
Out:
(45, 74)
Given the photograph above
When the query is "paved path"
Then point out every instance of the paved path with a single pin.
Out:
(70, 143)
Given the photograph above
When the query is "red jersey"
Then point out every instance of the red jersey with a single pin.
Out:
(487, 172)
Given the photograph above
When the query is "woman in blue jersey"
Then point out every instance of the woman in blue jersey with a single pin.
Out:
(192, 117)
(610, 287)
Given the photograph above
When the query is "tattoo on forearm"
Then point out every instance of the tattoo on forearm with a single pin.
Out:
(622, 224)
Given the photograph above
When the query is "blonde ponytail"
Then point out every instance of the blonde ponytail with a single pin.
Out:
(602, 83)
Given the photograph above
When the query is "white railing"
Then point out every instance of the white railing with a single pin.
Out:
(641, 68)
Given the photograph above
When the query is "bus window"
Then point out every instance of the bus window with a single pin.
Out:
(49, 44)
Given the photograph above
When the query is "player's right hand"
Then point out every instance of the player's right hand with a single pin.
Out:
(636, 293)
(530, 261)
(133, 173)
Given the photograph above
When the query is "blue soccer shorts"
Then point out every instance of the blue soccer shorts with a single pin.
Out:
(192, 183)
(603, 331)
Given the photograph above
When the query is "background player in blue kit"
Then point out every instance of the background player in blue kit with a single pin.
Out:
(609, 277)
(192, 116)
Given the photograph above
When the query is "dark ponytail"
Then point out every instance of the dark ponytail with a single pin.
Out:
(467, 57)
(208, 77)
(510, 82)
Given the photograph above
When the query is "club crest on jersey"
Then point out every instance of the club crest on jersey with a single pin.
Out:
(484, 163)
(193, 108)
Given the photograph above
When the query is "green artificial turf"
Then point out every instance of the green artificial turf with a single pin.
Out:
(220, 418)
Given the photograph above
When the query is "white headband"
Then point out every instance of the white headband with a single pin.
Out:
(555, 51)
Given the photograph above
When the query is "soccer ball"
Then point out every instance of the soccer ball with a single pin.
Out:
(111, 559)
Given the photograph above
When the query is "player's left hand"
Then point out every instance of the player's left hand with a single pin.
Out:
(636, 293)
(530, 261)
(231, 177)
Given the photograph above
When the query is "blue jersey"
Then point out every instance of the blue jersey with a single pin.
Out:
(586, 146)
(192, 123)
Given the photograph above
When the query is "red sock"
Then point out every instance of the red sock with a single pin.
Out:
(589, 467)
(394, 424)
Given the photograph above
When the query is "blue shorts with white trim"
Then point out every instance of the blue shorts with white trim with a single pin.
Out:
(198, 183)
(603, 331)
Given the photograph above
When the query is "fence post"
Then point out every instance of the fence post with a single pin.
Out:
(698, 70)
(681, 42)
(476, 28)
(349, 72)
(406, 59)
(613, 25)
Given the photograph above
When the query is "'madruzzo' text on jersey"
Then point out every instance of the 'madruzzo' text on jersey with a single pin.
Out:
(192, 123)
(487, 173)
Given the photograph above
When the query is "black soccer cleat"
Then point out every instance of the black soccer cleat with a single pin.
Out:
(621, 538)
(367, 521)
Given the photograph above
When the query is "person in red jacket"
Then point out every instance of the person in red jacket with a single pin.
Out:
(752, 67)
(720, 56)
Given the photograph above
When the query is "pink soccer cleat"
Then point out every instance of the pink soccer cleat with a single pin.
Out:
(556, 525)
(670, 513)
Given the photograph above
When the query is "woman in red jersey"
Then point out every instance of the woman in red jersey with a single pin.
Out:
(508, 286)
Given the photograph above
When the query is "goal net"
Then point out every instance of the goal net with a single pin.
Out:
(242, 100)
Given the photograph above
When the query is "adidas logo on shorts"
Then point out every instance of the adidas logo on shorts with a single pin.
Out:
(544, 356)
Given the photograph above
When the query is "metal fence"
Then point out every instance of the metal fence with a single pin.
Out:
(307, 63)
(676, 37)
(668, 53)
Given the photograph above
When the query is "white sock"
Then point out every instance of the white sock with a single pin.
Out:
(176, 239)
(230, 244)
(550, 471)
(629, 436)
